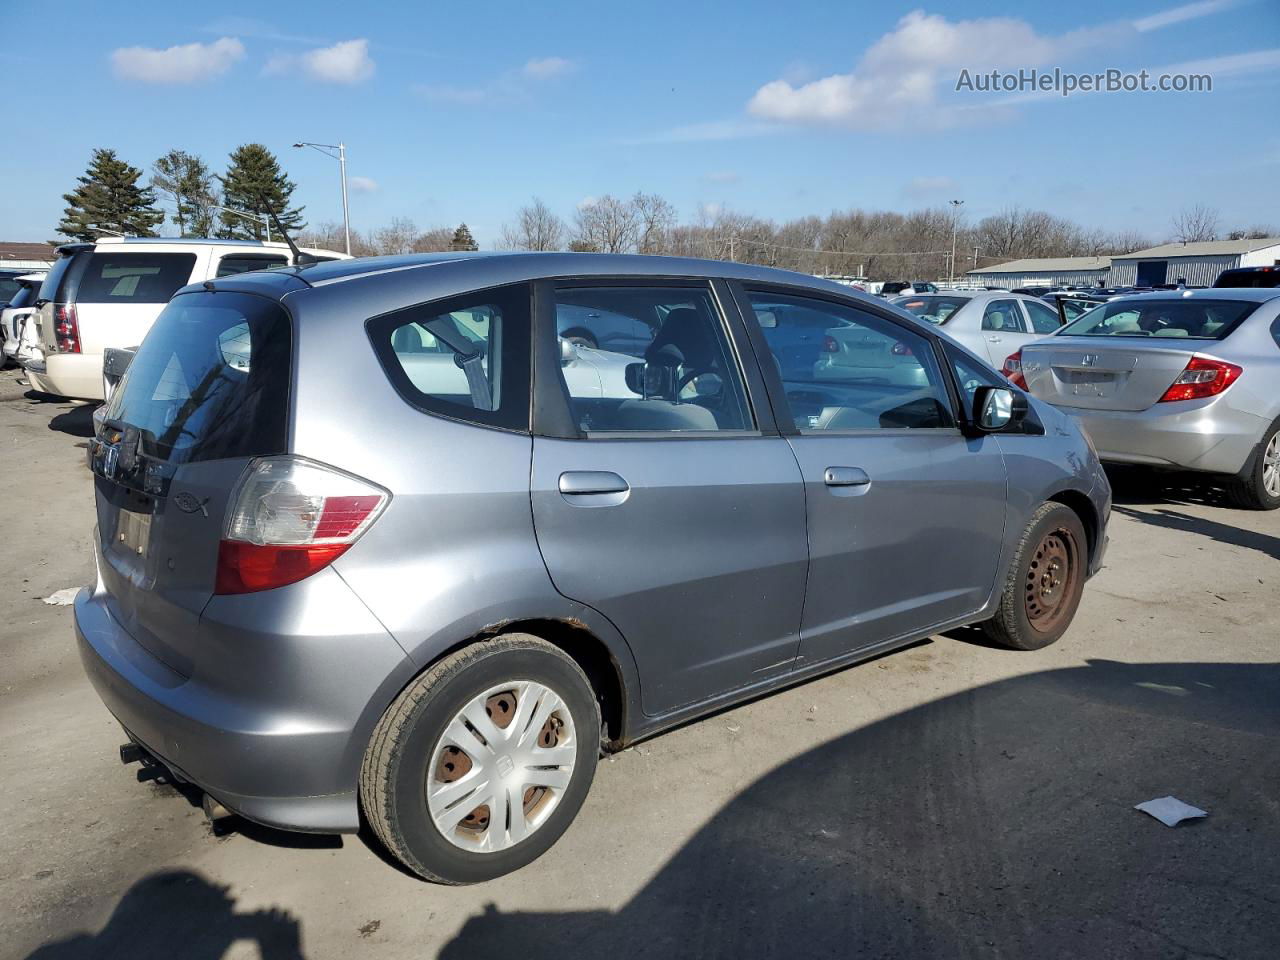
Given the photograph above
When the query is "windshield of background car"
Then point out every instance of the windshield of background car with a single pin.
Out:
(1174, 319)
(934, 309)
(211, 380)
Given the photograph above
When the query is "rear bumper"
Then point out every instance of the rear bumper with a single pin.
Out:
(75, 375)
(1189, 435)
(291, 763)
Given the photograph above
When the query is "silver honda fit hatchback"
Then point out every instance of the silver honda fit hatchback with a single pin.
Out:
(373, 538)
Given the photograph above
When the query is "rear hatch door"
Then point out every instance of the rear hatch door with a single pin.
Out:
(207, 392)
(1109, 375)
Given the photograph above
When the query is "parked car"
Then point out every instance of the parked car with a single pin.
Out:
(1183, 380)
(14, 316)
(1249, 277)
(991, 324)
(108, 293)
(437, 602)
(897, 288)
(9, 284)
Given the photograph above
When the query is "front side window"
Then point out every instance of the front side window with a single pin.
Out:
(862, 373)
(1043, 319)
(134, 277)
(682, 377)
(1002, 316)
(465, 358)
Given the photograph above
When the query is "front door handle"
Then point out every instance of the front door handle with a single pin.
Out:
(845, 477)
(586, 483)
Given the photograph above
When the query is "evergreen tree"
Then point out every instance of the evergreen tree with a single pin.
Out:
(254, 175)
(109, 198)
(186, 179)
(462, 239)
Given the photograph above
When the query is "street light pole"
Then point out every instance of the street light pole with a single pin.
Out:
(955, 222)
(341, 157)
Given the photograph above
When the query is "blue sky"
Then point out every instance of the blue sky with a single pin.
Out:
(462, 112)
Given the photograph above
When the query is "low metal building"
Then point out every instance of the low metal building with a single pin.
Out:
(1044, 271)
(26, 256)
(1194, 263)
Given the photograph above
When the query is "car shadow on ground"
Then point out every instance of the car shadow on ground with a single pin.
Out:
(1138, 485)
(78, 421)
(997, 822)
(1227, 533)
(994, 822)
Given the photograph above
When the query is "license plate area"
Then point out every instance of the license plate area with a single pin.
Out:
(132, 534)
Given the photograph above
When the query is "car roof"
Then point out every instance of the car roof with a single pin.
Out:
(1250, 294)
(531, 265)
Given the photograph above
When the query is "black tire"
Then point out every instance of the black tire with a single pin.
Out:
(582, 338)
(1248, 490)
(393, 779)
(1054, 532)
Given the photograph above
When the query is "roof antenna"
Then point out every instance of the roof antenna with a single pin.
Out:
(299, 258)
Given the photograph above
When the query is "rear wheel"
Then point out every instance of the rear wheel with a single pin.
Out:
(1257, 487)
(482, 763)
(1045, 581)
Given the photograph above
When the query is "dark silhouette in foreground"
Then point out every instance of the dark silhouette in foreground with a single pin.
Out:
(180, 914)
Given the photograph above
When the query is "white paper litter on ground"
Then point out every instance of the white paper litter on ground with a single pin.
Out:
(62, 598)
(1170, 810)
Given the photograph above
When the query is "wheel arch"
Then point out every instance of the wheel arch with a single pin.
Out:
(1083, 507)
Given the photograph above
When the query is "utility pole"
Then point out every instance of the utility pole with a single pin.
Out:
(955, 223)
(975, 257)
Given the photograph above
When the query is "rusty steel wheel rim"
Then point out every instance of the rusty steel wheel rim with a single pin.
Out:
(501, 766)
(1051, 580)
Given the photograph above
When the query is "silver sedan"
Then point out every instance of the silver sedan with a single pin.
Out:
(991, 323)
(1183, 379)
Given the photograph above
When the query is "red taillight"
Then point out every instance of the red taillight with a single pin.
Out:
(291, 518)
(66, 328)
(829, 345)
(1202, 377)
(1012, 370)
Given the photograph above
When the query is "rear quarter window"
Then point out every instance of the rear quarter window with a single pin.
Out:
(465, 358)
(134, 277)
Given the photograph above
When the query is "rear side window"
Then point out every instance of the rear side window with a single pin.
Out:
(211, 380)
(229, 266)
(465, 358)
(134, 277)
(1043, 319)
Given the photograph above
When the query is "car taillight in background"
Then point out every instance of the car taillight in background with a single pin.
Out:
(66, 327)
(1202, 377)
(291, 518)
(1012, 369)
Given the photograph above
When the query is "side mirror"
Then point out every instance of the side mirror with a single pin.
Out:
(998, 408)
(568, 352)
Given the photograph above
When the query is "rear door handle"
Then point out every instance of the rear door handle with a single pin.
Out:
(993, 339)
(845, 477)
(586, 483)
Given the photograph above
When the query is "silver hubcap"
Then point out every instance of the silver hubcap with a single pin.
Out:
(501, 766)
(1271, 467)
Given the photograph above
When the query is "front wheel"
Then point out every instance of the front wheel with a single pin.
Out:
(1045, 581)
(481, 764)
(1258, 485)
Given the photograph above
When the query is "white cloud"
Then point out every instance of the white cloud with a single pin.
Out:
(1190, 11)
(587, 201)
(545, 67)
(897, 79)
(188, 63)
(347, 62)
(362, 184)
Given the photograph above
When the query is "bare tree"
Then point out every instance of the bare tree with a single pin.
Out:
(655, 218)
(608, 225)
(536, 228)
(1194, 224)
(397, 237)
(1256, 232)
(435, 240)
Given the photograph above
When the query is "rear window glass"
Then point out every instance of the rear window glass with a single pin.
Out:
(1173, 319)
(210, 381)
(933, 309)
(53, 280)
(1249, 278)
(9, 288)
(228, 266)
(134, 277)
(466, 358)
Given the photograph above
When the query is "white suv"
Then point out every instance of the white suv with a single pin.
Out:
(108, 294)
